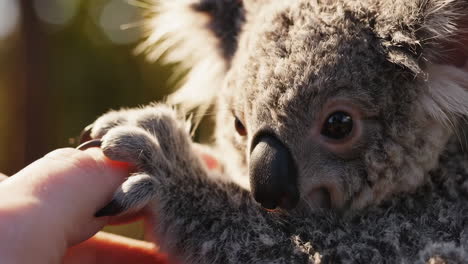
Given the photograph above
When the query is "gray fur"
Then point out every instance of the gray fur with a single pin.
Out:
(399, 191)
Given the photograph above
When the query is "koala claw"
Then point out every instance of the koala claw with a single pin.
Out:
(111, 209)
(94, 143)
(86, 134)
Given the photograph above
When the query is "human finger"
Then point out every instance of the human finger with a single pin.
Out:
(69, 186)
(3, 177)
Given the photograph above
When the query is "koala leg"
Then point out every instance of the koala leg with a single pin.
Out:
(155, 141)
(197, 218)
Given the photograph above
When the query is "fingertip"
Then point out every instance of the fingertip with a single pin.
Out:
(87, 175)
(97, 154)
(61, 152)
(3, 177)
(91, 161)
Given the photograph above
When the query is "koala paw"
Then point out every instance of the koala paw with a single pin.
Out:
(152, 139)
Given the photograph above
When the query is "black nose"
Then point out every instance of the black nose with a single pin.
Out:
(273, 174)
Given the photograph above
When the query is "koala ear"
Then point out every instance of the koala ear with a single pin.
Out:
(446, 95)
(444, 60)
(430, 38)
(443, 34)
(192, 26)
(423, 32)
(200, 35)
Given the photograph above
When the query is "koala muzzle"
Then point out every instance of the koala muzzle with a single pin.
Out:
(273, 173)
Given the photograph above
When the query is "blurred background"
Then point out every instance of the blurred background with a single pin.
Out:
(63, 63)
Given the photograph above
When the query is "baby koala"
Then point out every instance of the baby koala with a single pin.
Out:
(322, 106)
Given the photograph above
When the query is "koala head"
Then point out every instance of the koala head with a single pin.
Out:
(328, 104)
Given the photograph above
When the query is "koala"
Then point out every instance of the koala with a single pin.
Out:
(338, 129)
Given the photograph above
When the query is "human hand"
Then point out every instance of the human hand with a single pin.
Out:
(49, 205)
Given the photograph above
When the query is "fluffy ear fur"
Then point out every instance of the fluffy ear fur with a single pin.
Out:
(202, 35)
(430, 37)
(446, 99)
(444, 58)
(430, 31)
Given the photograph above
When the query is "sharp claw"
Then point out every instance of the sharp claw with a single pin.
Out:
(86, 134)
(111, 209)
(95, 143)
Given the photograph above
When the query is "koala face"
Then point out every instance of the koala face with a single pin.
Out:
(324, 116)
(324, 103)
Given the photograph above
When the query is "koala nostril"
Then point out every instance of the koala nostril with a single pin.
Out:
(285, 201)
(86, 134)
(267, 204)
(273, 175)
(320, 198)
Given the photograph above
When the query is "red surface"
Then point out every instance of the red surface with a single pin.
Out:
(105, 248)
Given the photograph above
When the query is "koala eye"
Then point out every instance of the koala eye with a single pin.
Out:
(240, 128)
(338, 125)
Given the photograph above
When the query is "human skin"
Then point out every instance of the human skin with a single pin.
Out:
(49, 206)
(47, 210)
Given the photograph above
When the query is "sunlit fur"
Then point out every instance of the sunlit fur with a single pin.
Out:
(276, 65)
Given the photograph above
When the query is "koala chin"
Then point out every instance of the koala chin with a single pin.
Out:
(333, 115)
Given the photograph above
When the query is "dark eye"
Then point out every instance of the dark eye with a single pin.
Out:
(240, 128)
(338, 125)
